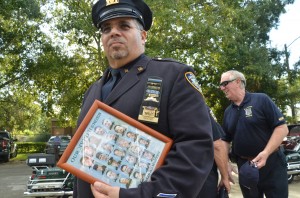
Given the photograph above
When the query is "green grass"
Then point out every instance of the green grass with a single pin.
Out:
(20, 157)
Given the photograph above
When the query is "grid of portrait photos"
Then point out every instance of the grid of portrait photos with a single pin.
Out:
(115, 152)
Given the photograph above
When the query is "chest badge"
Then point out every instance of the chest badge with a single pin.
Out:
(248, 111)
(149, 110)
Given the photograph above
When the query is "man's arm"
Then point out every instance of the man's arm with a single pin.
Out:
(221, 159)
(275, 141)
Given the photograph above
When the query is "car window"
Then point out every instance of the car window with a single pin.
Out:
(4, 135)
(62, 138)
(295, 130)
(51, 139)
(65, 139)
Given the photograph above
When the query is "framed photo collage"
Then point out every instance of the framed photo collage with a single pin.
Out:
(113, 148)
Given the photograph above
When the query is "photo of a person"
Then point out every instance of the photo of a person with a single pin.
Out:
(131, 159)
(107, 123)
(126, 181)
(99, 130)
(126, 169)
(112, 175)
(120, 153)
(112, 137)
(148, 155)
(135, 149)
(108, 147)
(113, 162)
(144, 142)
(123, 143)
(94, 141)
(88, 150)
(132, 136)
(87, 161)
(99, 168)
(102, 156)
(138, 175)
(119, 129)
(143, 165)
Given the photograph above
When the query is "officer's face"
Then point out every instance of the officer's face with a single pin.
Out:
(229, 86)
(123, 40)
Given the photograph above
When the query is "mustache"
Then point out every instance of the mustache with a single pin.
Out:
(115, 40)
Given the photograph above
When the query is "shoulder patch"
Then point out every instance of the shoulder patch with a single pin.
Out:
(191, 78)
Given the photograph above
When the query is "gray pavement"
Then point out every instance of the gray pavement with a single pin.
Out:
(14, 176)
(294, 188)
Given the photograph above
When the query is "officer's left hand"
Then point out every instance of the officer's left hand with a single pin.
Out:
(101, 190)
(261, 159)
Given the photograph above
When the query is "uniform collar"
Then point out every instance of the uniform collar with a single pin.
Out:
(125, 69)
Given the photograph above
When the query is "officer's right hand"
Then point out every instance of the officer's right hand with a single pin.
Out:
(101, 190)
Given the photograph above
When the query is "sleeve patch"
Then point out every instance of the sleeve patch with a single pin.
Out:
(191, 78)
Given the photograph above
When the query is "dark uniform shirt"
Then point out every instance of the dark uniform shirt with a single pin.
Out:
(209, 189)
(251, 124)
(183, 117)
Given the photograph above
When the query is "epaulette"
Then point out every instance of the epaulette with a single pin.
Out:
(166, 60)
(99, 78)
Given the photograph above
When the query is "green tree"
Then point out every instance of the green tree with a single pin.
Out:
(58, 55)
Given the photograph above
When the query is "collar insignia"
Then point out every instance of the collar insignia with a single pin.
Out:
(140, 68)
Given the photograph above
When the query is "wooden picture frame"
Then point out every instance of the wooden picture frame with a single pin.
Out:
(113, 148)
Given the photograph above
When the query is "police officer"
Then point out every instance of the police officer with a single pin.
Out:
(162, 94)
(211, 186)
(256, 127)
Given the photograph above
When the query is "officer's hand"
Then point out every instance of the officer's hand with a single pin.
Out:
(101, 190)
(226, 183)
(261, 159)
(231, 169)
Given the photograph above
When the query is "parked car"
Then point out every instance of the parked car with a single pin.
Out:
(8, 146)
(293, 158)
(64, 142)
(292, 138)
(294, 130)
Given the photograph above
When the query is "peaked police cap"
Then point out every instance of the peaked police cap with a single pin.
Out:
(104, 10)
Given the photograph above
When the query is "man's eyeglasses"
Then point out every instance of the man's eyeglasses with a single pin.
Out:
(226, 82)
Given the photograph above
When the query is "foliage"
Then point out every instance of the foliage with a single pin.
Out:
(50, 53)
(31, 147)
(20, 157)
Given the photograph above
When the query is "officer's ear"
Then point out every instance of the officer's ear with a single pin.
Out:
(143, 36)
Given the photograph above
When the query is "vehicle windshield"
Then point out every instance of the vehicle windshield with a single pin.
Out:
(4, 135)
(63, 138)
(294, 130)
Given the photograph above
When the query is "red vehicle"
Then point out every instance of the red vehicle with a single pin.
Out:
(8, 146)
(293, 138)
(291, 145)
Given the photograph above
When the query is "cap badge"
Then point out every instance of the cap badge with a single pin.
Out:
(110, 2)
